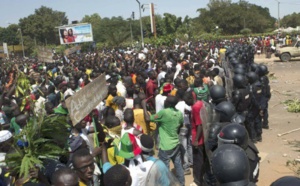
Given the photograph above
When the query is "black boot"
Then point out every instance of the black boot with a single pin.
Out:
(258, 138)
(265, 126)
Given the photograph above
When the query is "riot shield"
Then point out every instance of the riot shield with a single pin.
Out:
(228, 87)
(228, 78)
(206, 117)
(160, 175)
(215, 116)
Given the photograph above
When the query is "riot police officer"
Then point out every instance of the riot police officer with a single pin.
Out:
(217, 94)
(264, 80)
(237, 134)
(254, 67)
(230, 166)
(254, 126)
(240, 70)
(241, 95)
(225, 111)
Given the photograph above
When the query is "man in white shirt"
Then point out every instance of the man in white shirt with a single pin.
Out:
(185, 136)
(162, 74)
(121, 89)
(160, 98)
(178, 69)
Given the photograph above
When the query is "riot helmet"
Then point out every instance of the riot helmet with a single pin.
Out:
(252, 77)
(287, 180)
(262, 70)
(233, 134)
(226, 110)
(240, 65)
(234, 62)
(239, 81)
(230, 165)
(231, 55)
(217, 93)
(239, 119)
(228, 51)
(254, 67)
(238, 70)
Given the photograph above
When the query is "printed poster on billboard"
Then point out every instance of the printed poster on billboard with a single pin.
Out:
(75, 34)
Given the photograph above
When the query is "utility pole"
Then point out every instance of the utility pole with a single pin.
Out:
(132, 18)
(141, 23)
(152, 19)
(278, 14)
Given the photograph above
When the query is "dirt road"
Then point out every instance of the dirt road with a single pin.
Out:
(276, 151)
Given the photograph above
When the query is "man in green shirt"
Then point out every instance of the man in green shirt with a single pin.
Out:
(169, 121)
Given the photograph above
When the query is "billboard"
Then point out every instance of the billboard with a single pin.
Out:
(79, 33)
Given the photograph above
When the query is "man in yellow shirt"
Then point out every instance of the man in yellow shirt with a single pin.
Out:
(112, 123)
(112, 92)
(139, 117)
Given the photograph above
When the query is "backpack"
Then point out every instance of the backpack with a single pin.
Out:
(202, 93)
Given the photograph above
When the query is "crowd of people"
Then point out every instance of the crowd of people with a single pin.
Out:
(203, 106)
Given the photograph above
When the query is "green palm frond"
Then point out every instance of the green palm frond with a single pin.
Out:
(46, 136)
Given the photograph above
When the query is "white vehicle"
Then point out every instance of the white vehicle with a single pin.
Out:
(286, 53)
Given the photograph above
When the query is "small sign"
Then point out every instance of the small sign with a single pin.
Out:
(84, 101)
(45, 55)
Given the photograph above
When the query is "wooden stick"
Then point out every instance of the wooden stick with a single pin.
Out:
(288, 132)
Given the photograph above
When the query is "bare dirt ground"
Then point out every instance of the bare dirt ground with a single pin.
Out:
(276, 151)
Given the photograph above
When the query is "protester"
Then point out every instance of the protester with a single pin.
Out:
(169, 120)
(65, 176)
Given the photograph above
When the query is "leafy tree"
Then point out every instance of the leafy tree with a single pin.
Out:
(114, 31)
(41, 25)
(233, 17)
(245, 31)
(184, 28)
(10, 35)
(170, 23)
(95, 20)
(291, 20)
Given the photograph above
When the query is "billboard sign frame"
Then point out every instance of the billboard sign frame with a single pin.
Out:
(75, 33)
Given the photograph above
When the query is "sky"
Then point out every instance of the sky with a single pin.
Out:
(12, 10)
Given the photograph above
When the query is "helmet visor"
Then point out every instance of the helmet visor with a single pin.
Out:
(222, 141)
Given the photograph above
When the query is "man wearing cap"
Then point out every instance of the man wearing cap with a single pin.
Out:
(169, 120)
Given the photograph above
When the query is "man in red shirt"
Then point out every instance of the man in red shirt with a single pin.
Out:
(197, 138)
(151, 87)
